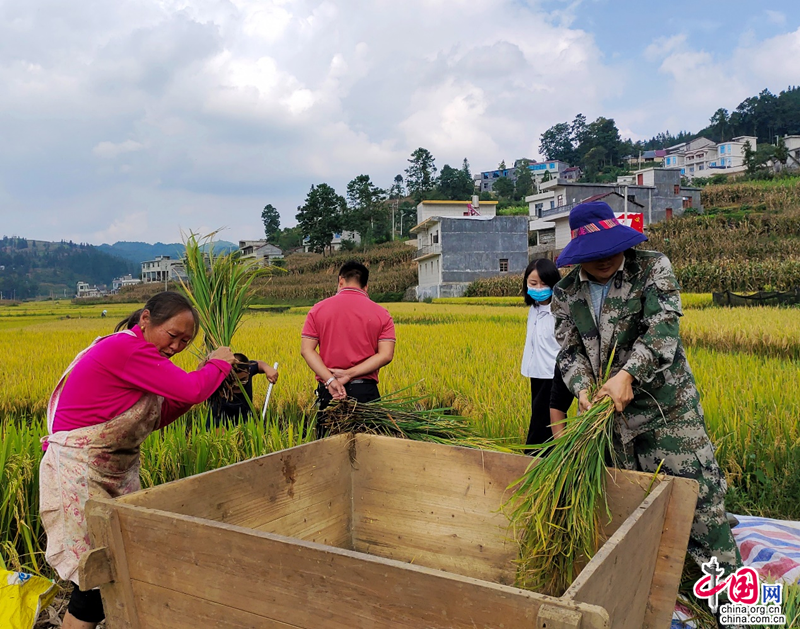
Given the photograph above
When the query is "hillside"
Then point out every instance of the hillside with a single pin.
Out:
(311, 276)
(138, 252)
(33, 268)
(748, 239)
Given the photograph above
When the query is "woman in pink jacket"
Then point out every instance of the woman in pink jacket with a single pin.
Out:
(113, 395)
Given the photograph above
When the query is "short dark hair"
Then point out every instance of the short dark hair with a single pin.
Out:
(547, 272)
(352, 270)
(162, 307)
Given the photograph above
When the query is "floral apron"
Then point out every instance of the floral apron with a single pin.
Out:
(100, 461)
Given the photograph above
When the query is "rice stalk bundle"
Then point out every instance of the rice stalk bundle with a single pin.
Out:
(219, 288)
(402, 417)
(554, 510)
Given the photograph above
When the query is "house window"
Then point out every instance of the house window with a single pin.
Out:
(669, 213)
(552, 204)
(701, 167)
(677, 188)
(560, 200)
(485, 175)
(504, 265)
(436, 238)
(632, 197)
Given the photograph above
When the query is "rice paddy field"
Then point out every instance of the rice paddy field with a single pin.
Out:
(464, 354)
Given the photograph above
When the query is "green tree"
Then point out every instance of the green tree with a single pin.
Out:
(455, 185)
(289, 238)
(749, 158)
(502, 165)
(366, 212)
(603, 133)
(525, 185)
(781, 152)
(272, 221)
(594, 160)
(556, 143)
(504, 187)
(719, 121)
(421, 173)
(397, 191)
(546, 176)
(578, 132)
(321, 216)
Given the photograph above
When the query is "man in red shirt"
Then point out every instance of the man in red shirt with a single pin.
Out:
(355, 337)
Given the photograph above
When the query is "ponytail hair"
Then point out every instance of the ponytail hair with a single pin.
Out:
(131, 320)
(162, 307)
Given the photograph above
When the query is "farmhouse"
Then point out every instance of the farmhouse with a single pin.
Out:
(554, 169)
(260, 250)
(702, 157)
(84, 291)
(459, 242)
(125, 280)
(656, 193)
(552, 233)
(162, 269)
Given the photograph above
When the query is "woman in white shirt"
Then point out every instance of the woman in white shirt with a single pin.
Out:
(541, 347)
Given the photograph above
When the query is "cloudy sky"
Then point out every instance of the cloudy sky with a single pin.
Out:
(134, 119)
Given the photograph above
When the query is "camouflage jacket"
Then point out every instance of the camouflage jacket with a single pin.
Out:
(640, 317)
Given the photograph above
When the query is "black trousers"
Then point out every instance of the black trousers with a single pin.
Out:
(362, 390)
(86, 605)
(546, 394)
(539, 430)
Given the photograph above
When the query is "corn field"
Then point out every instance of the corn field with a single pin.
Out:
(777, 194)
(746, 362)
(312, 276)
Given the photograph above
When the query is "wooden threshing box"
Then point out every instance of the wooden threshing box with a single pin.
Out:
(371, 532)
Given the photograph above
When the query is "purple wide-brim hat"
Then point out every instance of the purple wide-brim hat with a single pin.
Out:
(596, 234)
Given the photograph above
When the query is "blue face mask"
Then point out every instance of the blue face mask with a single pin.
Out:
(540, 294)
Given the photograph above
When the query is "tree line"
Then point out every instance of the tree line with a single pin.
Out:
(29, 267)
(599, 151)
(376, 214)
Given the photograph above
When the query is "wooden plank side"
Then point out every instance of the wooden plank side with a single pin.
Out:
(168, 609)
(302, 492)
(619, 576)
(436, 506)
(104, 532)
(625, 491)
(309, 585)
(671, 553)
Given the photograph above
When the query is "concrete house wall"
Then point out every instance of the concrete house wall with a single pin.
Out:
(468, 249)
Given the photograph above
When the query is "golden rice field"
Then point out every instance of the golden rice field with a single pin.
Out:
(747, 363)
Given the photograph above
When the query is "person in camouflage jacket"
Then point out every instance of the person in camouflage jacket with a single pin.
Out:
(624, 305)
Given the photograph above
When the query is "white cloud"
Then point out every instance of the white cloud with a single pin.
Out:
(109, 150)
(663, 46)
(202, 111)
(127, 227)
(775, 17)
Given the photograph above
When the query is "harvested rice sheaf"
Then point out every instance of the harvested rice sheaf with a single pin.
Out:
(403, 417)
(555, 508)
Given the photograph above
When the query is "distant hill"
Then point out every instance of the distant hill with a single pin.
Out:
(138, 252)
(32, 268)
